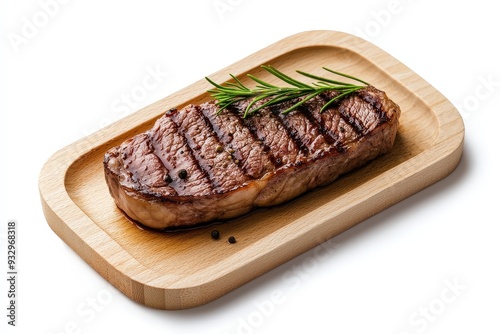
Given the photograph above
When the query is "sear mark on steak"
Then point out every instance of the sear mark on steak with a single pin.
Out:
(194, 166)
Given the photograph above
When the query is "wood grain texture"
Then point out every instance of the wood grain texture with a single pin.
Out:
(186, 269)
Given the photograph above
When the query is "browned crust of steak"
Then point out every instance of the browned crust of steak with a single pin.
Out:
(194, 166)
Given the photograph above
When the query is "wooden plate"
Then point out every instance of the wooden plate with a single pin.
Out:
(188, 268)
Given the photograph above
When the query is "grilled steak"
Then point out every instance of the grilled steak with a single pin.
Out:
(194, 166)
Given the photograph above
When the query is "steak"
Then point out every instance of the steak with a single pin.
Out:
(195, 166)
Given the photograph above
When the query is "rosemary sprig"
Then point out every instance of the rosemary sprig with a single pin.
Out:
(234, 92)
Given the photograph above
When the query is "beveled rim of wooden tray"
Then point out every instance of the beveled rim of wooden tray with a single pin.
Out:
(425, 159)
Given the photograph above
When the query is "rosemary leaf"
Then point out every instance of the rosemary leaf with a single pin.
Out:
(235, 92)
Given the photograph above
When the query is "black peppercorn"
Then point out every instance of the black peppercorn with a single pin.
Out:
(167, 178)
(215, 234)
(182, 174)
(231, 240)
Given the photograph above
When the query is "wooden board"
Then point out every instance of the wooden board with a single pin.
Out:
(188, 268)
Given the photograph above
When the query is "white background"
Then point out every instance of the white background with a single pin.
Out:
(428, 264)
